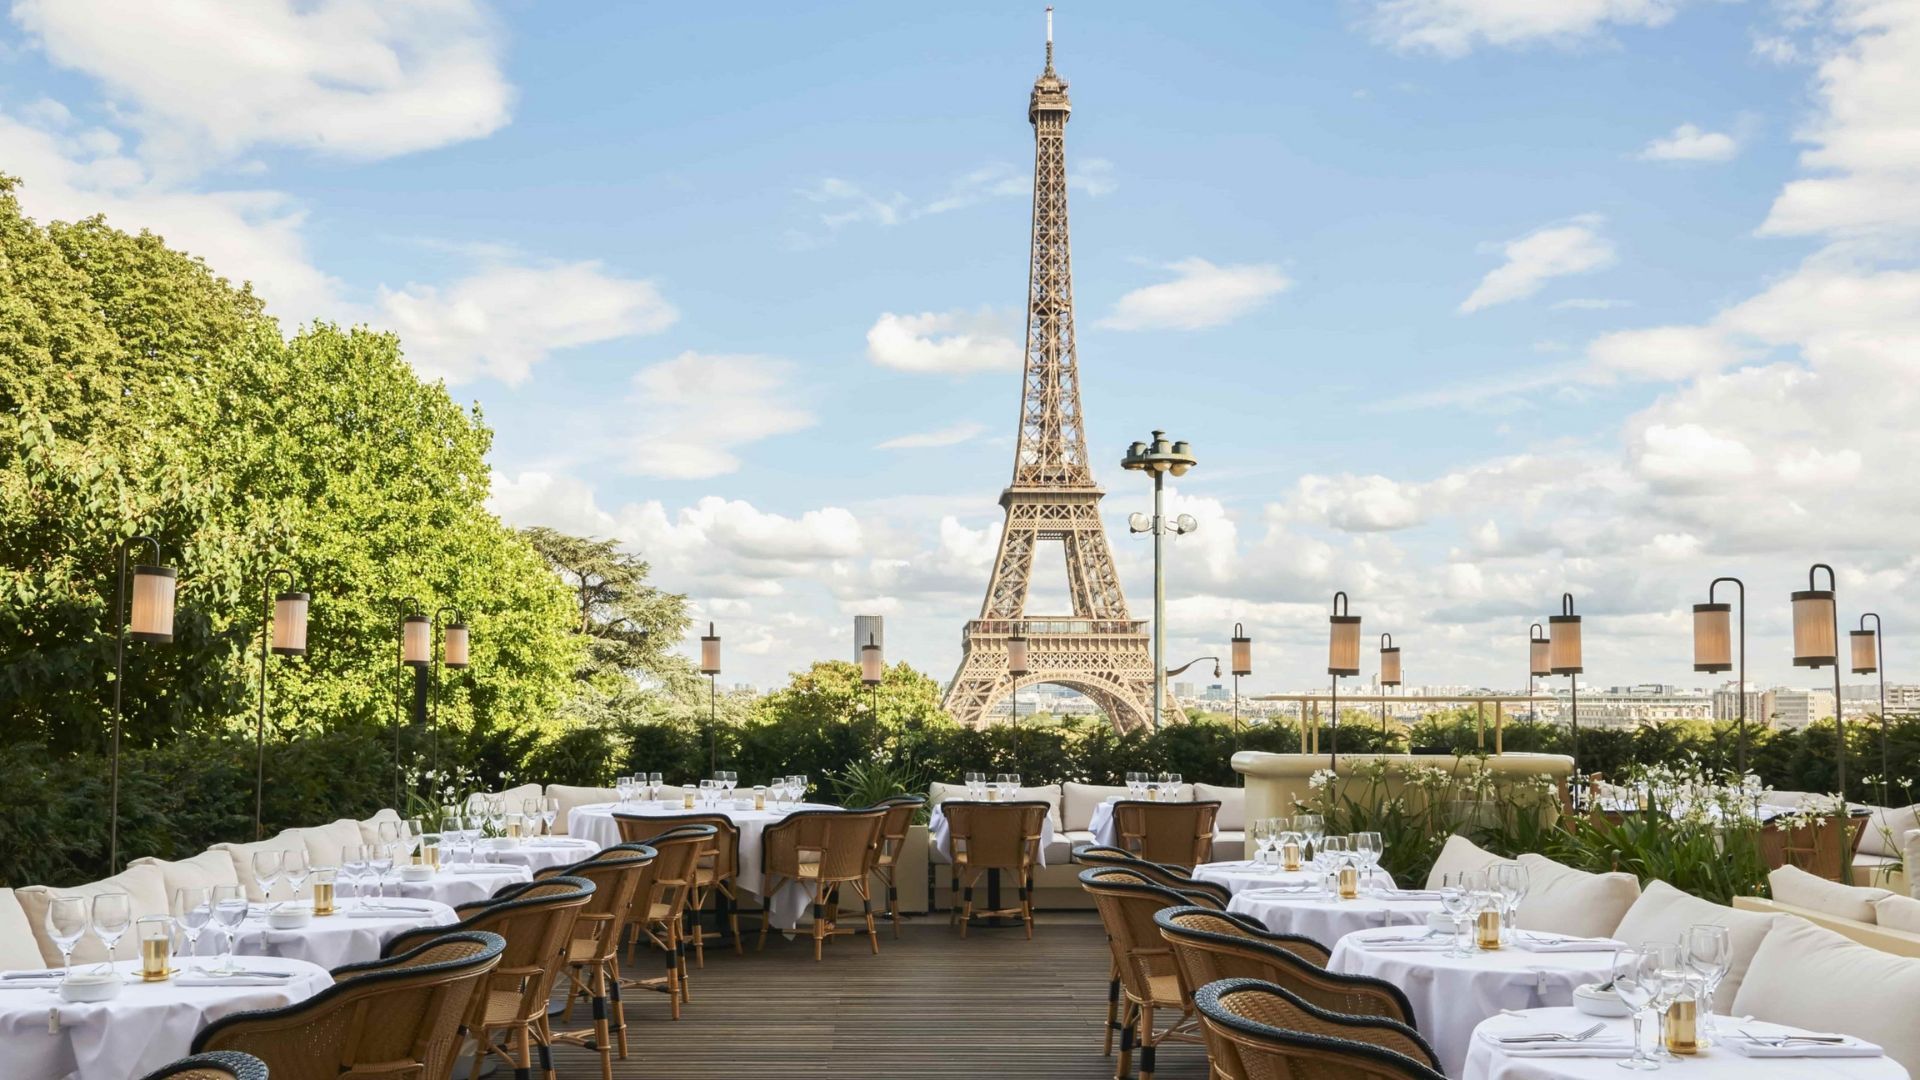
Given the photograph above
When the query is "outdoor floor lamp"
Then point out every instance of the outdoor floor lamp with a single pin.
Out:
(710, 667)
(283, 632)
(1539, 664)
(1389, 676)
(1563, 658)
(1816, 644)
(1343, 658)
(1713, 650)
(456, 651)
(1869, 652)
(151, 620)
(416, 652)
(1016, 670)
(1240, 651)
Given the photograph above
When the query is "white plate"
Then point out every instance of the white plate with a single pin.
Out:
(1593, 1001)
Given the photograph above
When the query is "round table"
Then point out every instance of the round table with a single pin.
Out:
(1452, 995)
(148, 1025)
(1247, 874)
(538, 853)
(354, 934)
(596, 823)
(1489, 1061)
(454, 884)
(1311, 914)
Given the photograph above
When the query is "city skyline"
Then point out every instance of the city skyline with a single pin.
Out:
(1459, 311)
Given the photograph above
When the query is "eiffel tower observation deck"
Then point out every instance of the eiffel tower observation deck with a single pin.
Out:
(1098, 648)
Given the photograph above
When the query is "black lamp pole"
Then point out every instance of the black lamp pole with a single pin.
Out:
(293, 647)
(410, 609)
(124, 631)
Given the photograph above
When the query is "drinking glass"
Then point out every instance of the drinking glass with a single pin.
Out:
(706, 792)
(266, 871)
(1636, 978)
(353, 865)
(379, 862)
(1510, 878)
(497, 813)
(1671, 976)
(1013, 785)
(1366, 848)
(1173, 786)
(1335, 848)
(112, 917)
(623, 787)
(1710, 953)
(450, 836)
(67, 921)
(530, 810)
(229, 911)
(1258, 832)
(733, 781)
(549, 813)
(654, 784)
(1314, 828)
(1456, 899)
(476, 806)
(416, 828)
(293, 867)
(800, 787)
(154, 933)
(193, 910)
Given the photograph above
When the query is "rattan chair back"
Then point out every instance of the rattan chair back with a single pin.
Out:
(1193, 921)
(1102, 855)
(616, 879)
(899, 820)
(1260, 1031)
(721, 854)
(1177, 833)
(537, 923)
(840, 839)
(397, 1017)
(1127, 902)
(1210, 946)
(996, 836)
(219, 1065)
(670, 883)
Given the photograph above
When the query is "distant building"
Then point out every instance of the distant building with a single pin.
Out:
(1216, 692)
(1645, 703)
(1791, 709)
(867, 627)
(1183, 690)
(1726, 703)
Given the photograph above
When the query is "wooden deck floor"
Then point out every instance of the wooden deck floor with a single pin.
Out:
(930, 1006)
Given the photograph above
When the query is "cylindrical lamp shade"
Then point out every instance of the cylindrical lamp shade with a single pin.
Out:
(1864, 660)
(872, 665)
(416, 641)
(1017, 657)
(1390, 666)
(1242, 656)
(1813, 629)
(290, 623)
(1563, 646)
(710, 652)
(152, 618)
(1713, 637)
(1343, 645)
(1539, 656)
(457, 648)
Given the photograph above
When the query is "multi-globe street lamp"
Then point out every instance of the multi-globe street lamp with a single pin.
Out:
(1160, 458)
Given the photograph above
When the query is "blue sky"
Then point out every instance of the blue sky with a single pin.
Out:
(1461, 303)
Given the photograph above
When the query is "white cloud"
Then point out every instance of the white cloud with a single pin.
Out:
(1551, 251)
(701, 407)
(205, 81)
(1689, 142)
(1590, 303)
(947, 436)
(502, 321)
(945, 342)
(1663, 352)
(1453, 28)
(845, 202)
(1201, 295)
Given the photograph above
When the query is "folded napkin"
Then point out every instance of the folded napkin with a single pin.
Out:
(1740, 1044)
(1404, 944)
(50, 973)
(1284, 892)
(250, 978)
(1408, 894)
(1538, 943)
(484, 868)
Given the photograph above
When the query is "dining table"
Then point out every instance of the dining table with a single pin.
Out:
(1517, 1046)
(1451, 995)
(459, 883)
(536, 853)
(146, 1025)
(354, 934)
(1243, 874)
(1305, 910)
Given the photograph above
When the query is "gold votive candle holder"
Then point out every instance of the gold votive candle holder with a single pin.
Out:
(1683, 1027)
(1290, 856)
(155, 933)
(1486, 929)
(1349, 882)
(322, 883)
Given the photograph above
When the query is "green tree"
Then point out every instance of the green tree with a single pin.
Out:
(627, 624)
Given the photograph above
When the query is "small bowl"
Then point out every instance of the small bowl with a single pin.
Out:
(1441, 921)
(1593, 1001)
(416, 873)
(289, 918)
(91, 986)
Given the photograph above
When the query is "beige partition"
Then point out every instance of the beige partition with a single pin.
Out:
(1275, 781)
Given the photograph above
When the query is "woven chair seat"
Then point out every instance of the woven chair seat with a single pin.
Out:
(501, 1006)
(1165, 989)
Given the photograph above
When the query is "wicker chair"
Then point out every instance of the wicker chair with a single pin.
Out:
(660, 903)
(829, 850)
(713, 879)
(536, 919)
(397, 1017)
(593, 957)
(1258, 1031)
(1173, 877)
(219, 1065)
(1210, 945)
(1177, 833)
(995, 836)
(893, 838)
(1148, 981)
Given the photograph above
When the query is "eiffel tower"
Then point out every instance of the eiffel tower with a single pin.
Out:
(1097, 650)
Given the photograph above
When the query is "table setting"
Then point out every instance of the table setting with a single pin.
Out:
(318, 931)
(1004, 787)
(1141, 787)
(1564, 1043)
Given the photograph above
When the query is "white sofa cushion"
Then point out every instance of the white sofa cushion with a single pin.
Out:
(145, 884)
(369, 830)
(1812, 977)
(18, 949)
(1564, 900)
(242, 857)
(205, 870)
(325, 842)
(1233, 804)
(1078, 801)
(1886, 831)
(569, 797)
(1898, 913)
(1792, 885)
(1229, 845)
(1459, 854)
(516, 797)
(1663, 913)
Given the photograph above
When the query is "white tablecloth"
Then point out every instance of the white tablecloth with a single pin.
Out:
(1102, 824)
(596, 823)
(1451, 996)
(1240, 876)
(332, 940)
(147, 1026)
(940, 836)
(537, 854)
(1309, 914)
(1486, 1061)
(452, 886)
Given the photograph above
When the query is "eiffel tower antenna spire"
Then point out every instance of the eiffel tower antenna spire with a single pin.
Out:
(1053, 498)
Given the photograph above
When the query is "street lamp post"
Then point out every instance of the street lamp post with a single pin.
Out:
(1816, 643)
(1713, 650)
(1538, 650)
(416, 652)
(710, 667)
(1343, 658)
(149, 619)
(283, 632)
(1160, 458)
(1242, 653)
(1869, 656)
(1016, 670)
(454, 653)
(1564, 658)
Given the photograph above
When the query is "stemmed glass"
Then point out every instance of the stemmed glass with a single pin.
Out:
(67, 921)
(1636, 978)
(192, 910)
(293, 867)
(1456, 899)
(476, 807)
(1335, 849)
(229, 911)
(733, 781)
(379, 862)
(1366, 848)
(497, 814)
(1510, 878)
(112, 917)
(1709, 952)
(1675, 978)
(800, 787)
(353, 865)
(1261, 833)
(623, 788)
(549, 813)
(1314, 828)
(654, 783)
(451, 837)
(266, 871)
(1173, 787)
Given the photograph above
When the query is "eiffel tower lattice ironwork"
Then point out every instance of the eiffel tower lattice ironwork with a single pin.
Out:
(1098, 649)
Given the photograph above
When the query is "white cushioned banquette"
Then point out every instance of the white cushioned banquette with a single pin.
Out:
(1563, 900)
(145, 884)
(1459, 854)
(205, 870)
(18, 949)
(1792, 885)
(1663, 913)
(570, 797)
(1814, 978)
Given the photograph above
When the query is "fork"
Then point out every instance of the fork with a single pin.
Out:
(1556, 1036)
(1782, 1040)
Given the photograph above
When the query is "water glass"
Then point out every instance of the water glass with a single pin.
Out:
(68, 918)
(112, 918)
(1636, 979)
(1709, 952)
(379, 863)
(353, 866)
(1456, 899)
(229, 911)
(549, 813)
(497, 813)
(266, 870)
(192, 910)
(293, 867)
(623, 789)
(1262, 836)
(1366, 848)
(654, 784)
(1510, 880)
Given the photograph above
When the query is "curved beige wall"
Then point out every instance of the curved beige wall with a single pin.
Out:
(1274, 781)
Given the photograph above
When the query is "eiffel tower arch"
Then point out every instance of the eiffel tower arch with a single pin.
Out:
(1097, 649)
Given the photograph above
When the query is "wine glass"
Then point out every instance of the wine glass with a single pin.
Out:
(1673, 979)
(1366, 848)
(112, 917)
(192, 910)
(1510, 878)
(1710, 953)
(1456, 899)
(654, 783)
(1173, 786)
(549, 812)
(266, 871)
(353, 865)
(799, 787)
(623, 787)
(1334, 849)
(67, 920)
(1314, 828)
(476, 806)
(379, 862)
(497, 814)
(416, 828)
(1636, 979)
(293, 867)
(229, 911)
(1260, 832)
